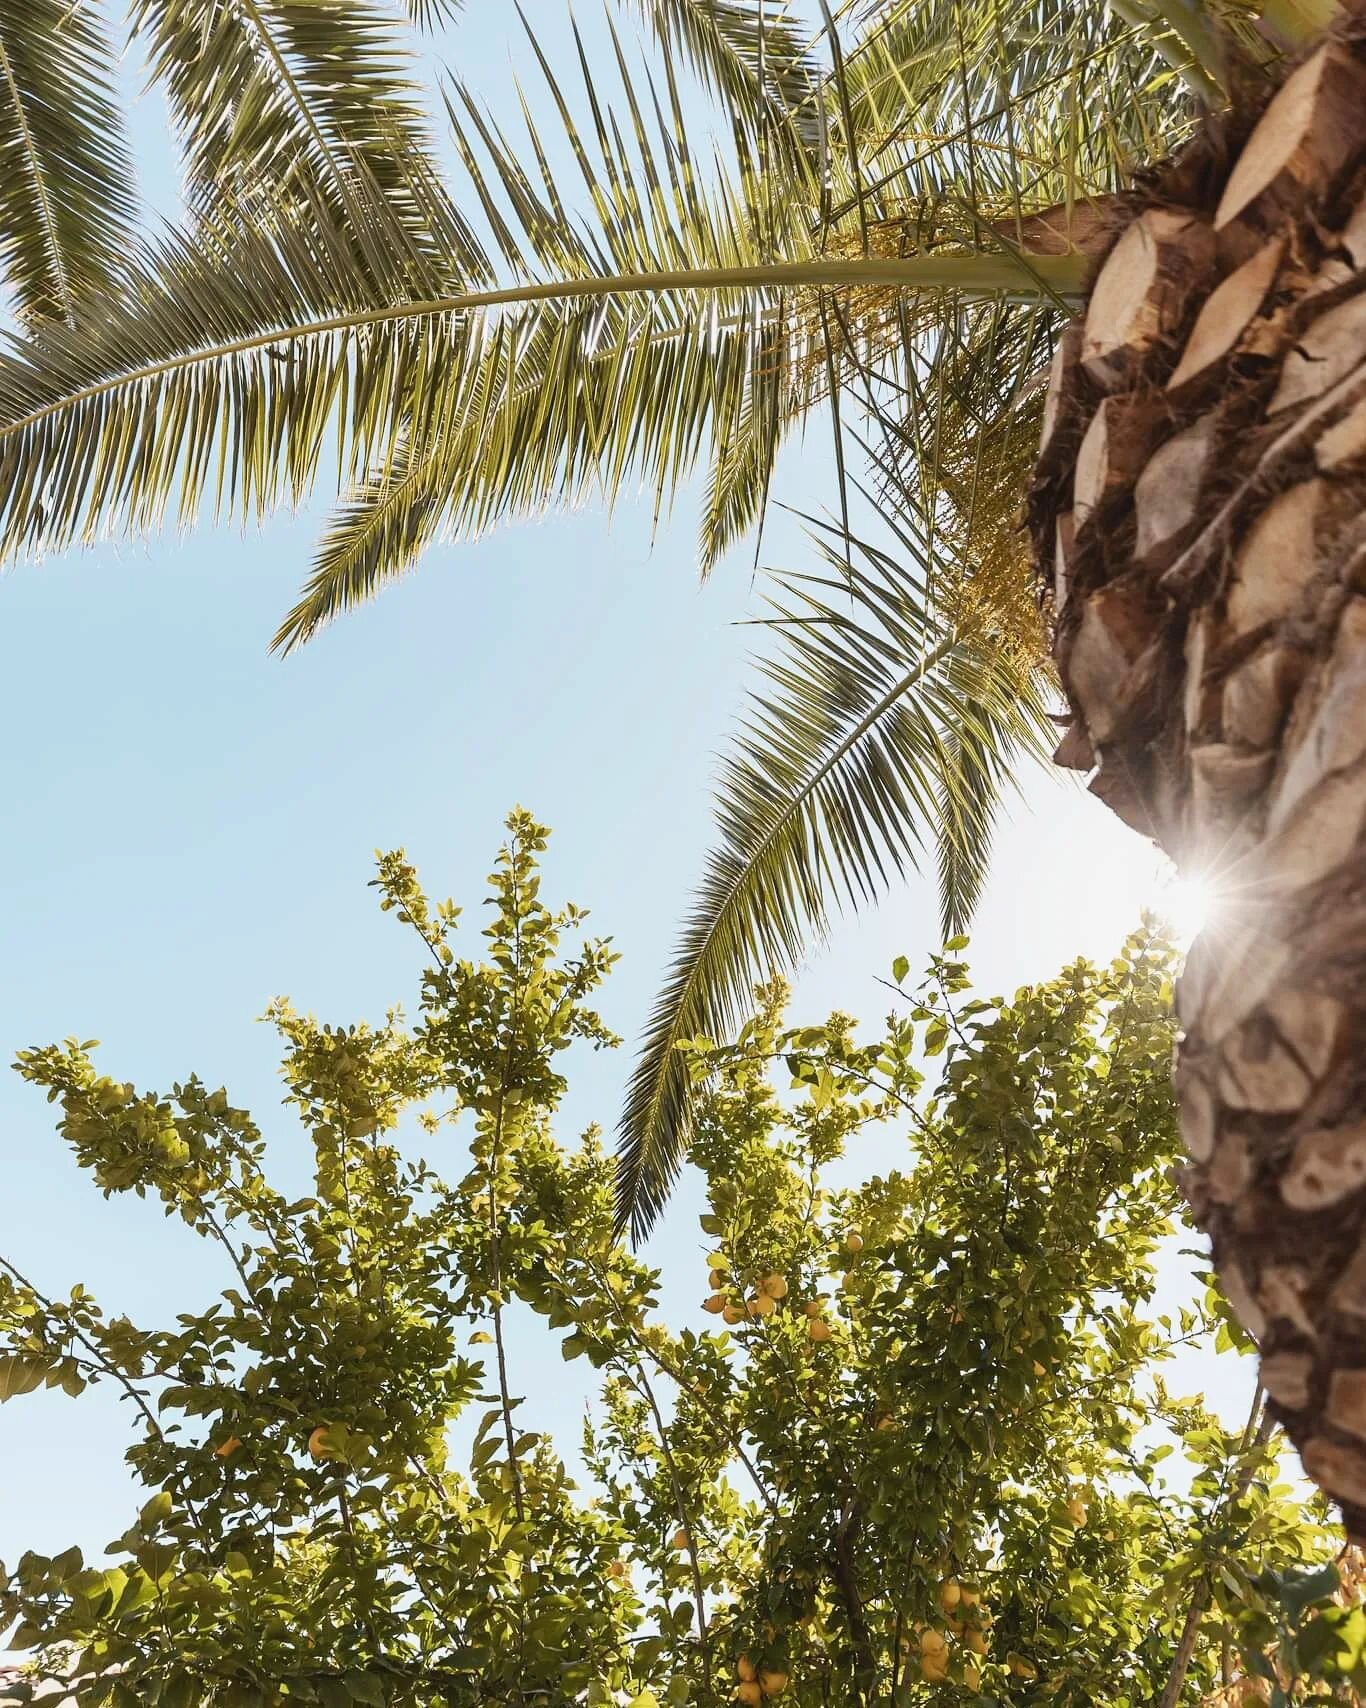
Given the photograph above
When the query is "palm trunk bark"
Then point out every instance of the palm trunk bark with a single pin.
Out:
(1198, 517)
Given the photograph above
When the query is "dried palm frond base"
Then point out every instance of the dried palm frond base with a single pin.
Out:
(1199, 513)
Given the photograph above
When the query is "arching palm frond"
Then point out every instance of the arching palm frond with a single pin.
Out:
(569, 399)
(287, 97)
(884, 735)
(238, 353)
(65, 202)
(684, 317)
(233, 359)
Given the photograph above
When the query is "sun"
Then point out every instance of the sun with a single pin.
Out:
(1186, 903)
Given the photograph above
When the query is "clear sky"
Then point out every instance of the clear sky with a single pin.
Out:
(190, 827)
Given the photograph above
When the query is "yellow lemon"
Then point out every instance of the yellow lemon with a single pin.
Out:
(745, 1670)
(715, 1303)
(762, 1306)
(773, 1683)
(226, 1449)
(950, 1594)
(817, 1329)
(774, 1285)
(733, 1314)
(749, 1693)
(853, 1240)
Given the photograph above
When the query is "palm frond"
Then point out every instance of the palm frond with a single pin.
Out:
(432, 14)
(230, 363)
(683, 316)
(235, 354)
(748, 444)
(750, 53)
(1000, 110)
(65, 202)
(564, 403)
(884, 731)
(273, 97)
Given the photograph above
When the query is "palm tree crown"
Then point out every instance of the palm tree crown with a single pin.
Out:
(902, 210)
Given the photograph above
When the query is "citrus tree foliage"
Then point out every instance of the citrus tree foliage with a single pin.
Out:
(908, 1449)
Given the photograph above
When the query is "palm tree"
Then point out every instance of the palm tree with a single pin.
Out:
(1198, 513)
(906, 215)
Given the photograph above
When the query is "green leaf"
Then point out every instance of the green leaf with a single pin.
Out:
(753, 55)
(66, 208)
(20, 1373)
(900, 967)
(157, 1510)
(1304, 1589)
(366, 1687)
(321, 92)
(885, 725)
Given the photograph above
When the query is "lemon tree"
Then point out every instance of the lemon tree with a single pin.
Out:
(909, 1446)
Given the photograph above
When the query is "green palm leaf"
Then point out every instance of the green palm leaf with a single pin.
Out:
(238, 355)
(273, 96)
(535, 417)
(218, 370)
(751, 54)
(883, 732)
(432, 14)
(64, 173)
(572, 402)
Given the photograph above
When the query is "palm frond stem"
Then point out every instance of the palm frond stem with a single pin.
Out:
(968, 275)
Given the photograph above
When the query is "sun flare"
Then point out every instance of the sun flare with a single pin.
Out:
(1186, 903)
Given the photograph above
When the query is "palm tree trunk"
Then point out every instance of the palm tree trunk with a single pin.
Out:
(1198, 514)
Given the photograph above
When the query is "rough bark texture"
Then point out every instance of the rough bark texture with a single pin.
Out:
(1200, 529)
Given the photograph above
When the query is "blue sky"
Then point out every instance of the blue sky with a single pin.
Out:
(191, 823)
